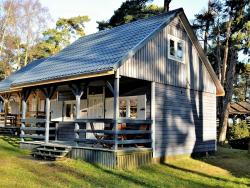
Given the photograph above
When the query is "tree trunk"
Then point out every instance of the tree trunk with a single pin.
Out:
(228, 95)
(26, 57)
(166, 5)
(218, 52)
(224, 65)
(207, 26)
(206, 37)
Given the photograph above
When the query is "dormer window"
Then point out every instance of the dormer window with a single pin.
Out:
(175, 49)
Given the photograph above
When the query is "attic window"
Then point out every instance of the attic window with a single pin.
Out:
(176, 49)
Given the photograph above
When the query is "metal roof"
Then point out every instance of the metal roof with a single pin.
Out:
(6, 83)
(239, 108)
(98, 52)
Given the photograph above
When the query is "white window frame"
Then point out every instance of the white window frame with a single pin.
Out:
(127, 99)
(176, 40)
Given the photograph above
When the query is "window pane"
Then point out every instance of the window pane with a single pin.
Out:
(179, 50)
(123, 108)
(133, 108)
(172, 48)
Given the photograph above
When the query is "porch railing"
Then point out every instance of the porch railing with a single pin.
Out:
(130, 133)
(34, 128)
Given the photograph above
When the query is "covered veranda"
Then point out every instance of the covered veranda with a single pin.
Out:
(110, 116)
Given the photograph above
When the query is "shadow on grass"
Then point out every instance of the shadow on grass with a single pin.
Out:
(203, 174)
(140, 181)
(99, 176)
(236, 161)
(12, 140)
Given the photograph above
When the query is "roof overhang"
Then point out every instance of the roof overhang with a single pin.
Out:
(10, 91)
(64, 79)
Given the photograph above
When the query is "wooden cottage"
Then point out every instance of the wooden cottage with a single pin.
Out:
(123, 96)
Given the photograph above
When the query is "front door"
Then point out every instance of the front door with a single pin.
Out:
(95, 106)
(95, 111)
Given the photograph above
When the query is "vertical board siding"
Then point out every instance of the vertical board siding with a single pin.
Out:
(185, 121)
(151, 62)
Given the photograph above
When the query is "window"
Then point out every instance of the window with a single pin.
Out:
(133, 108)
(33, 104)
(123, 108)
(176, 49)
(42, 105)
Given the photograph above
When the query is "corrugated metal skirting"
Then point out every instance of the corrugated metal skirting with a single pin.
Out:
(113, 159)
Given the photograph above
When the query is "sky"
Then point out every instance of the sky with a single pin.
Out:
(99, 10)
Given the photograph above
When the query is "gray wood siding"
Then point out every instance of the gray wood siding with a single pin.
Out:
(185, 121)
(151, 62)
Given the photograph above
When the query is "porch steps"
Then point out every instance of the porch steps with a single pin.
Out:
(9, 131)
(51, 151)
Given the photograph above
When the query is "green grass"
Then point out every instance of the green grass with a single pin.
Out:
(228, 168)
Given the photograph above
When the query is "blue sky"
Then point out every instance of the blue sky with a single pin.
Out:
(99, 10)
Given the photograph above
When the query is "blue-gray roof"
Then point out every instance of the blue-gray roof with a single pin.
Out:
(102, 51)
(6, 83)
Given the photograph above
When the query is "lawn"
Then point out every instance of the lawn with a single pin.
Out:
(228, 168)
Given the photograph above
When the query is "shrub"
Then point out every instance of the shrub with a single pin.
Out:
(239, 130)
(240, 143)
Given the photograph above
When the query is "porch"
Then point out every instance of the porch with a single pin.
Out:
(109, 122)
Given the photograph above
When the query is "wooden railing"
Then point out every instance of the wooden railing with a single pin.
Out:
(14, 120)
(34, 128)
(8, 120)
(130, 133)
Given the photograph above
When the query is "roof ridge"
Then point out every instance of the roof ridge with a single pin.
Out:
(126, 24)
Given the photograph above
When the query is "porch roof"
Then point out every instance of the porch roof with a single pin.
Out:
(5, 84)
(96, 53)
(240, 108)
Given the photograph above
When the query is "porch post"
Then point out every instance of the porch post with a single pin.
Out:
(153, 116)
(77, 90)
(24, 108)
(6, 98)
(6, 101)
(116, 106)
(47, 120)
(24, 95)
(48, 93)
(78, 104)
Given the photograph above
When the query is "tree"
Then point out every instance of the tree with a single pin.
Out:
(205, 20)
(35, 18)
(129, 11)
(65, 32)
(166, 5)
(224, 28)
(6, 20)
(241, 90)
(21, 23)
(236, 40)
(73, 27)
